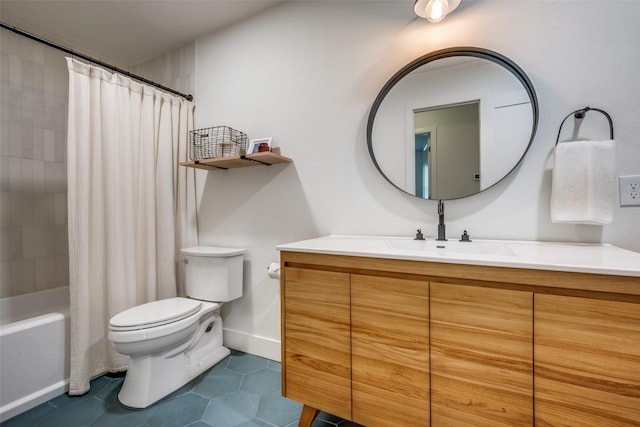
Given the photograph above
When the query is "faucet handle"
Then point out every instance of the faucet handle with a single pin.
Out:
(419, 235)
(465, 237)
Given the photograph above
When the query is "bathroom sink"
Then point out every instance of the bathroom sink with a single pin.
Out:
(451, 247)
(559, 256)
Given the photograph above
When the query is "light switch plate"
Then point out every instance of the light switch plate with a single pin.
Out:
(629, 190)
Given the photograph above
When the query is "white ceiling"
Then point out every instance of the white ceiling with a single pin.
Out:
(126, 32)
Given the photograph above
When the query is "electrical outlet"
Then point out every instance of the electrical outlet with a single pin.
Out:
(629, 190)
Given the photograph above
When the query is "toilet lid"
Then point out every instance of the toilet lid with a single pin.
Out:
(155, 313)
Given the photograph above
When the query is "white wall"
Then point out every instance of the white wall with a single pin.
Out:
(306, 74)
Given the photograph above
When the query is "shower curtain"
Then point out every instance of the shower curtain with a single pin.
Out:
(130, 207)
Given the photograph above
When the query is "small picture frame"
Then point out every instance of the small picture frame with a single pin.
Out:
(259, 145)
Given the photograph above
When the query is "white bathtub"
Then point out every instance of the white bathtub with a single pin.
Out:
(34, 349)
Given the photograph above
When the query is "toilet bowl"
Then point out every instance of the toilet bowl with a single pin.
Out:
(174, 340)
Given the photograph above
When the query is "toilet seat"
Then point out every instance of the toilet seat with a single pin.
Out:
(154, 314)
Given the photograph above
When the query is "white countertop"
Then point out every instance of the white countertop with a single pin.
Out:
(572, 257)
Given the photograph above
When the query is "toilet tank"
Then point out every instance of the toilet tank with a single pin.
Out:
(213, 273)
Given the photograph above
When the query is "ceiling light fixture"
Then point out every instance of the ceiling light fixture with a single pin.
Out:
(435, 10)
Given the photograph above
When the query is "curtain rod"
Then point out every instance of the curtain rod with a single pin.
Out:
(90, 59)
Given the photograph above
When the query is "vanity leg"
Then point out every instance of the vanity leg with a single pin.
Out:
(307, 416)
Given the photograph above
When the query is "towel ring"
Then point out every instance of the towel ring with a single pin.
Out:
(579, 114)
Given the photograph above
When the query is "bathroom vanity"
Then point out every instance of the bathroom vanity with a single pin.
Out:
(395, 332)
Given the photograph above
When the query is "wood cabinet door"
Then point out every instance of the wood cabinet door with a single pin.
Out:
(481, 356)
(316, 341)
(390, 351)
(587, 362)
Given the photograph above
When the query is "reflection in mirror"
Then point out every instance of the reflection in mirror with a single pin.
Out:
(452, 123)
(449, 140)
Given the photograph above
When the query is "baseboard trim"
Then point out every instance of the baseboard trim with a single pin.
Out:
(252, 344)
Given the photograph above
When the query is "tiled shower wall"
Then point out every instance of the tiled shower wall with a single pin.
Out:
(33, 176)
(175, 69)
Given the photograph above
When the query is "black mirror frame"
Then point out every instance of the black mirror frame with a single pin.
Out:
(481, 53)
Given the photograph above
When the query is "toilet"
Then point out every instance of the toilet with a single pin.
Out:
(174, 340)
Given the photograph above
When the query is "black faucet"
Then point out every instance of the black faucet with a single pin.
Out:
(442, 233)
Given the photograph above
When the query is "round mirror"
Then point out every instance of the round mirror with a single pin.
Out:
(452, 123)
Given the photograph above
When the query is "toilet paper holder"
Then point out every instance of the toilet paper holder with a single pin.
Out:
(273, 270)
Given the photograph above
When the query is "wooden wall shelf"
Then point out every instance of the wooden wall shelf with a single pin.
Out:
(265, 159)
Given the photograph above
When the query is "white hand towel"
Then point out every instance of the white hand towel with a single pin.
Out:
(583, 188)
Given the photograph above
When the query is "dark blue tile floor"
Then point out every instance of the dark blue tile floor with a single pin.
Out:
(241, 391)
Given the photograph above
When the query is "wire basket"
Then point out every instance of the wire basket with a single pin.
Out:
(218, 141)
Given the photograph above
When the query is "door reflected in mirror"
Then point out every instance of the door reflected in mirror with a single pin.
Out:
(447, 139)
(452, 123)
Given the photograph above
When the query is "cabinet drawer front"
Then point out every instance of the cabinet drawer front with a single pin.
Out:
(316, 339)
(390, 345)
(587, 361)
(481, 356)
